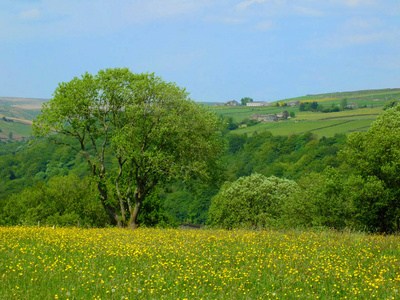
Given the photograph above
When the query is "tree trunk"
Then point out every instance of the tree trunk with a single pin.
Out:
(116, 220)
(134, 214)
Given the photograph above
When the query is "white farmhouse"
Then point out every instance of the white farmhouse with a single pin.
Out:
(257, 103)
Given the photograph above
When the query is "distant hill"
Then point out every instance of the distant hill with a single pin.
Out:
(381, 94)
(16, 115)
(366, 105)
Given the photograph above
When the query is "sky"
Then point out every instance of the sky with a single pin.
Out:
(219, 50)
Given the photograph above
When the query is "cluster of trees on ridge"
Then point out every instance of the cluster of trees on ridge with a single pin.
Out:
(141, 145)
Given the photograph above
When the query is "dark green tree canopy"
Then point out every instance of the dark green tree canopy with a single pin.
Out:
(390, 104)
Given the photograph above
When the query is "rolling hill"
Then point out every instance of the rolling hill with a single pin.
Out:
(369, 102)
(16, 114)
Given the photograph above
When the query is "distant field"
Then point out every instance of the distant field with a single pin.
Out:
(21, 111)
(320, 128)
(21, 108)
(18, 130)
(29, 108)
(322, 124)
(353, 96)
(242, 112)
(74, 263)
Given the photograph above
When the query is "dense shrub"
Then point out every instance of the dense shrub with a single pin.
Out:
(253, 201)
(61, 201)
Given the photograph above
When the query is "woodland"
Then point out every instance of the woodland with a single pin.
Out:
(200, 168)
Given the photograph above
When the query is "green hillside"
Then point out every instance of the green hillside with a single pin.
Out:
(361, 97)
(16, 114)
(370, 103)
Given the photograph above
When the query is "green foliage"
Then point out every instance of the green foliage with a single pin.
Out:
(284, 156)
(155, 132)
(61, 201)
(315, 106)
(189, 203)
(390, 104)
(236, 142)
(285, 114)
(253, 201)
(153, 212)
(309, 106)
(322, 201)
(375, 154)
(371, 202)
(23, 164)
(343, 104)
(333, 108)
(245, 100)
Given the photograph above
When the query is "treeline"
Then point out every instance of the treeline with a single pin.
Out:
(49, 183)
(315, 106)
(40, 181)
(263, 181)
(343, 183)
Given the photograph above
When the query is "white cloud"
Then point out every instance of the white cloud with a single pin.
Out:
(354, 3)
(264, 25)
(343, 40)
(358, 31)
(243, 5)
(308, 11)
(366, 38)
(282, 7)
(153, 9)
(223, 19)
(361, 24)
(32, 14)
(87, 17)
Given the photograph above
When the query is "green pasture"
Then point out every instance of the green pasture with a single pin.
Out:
(349, 114)
(326, 128)
(18, 129)
(322, 124)
(239, 113)
(353, 96)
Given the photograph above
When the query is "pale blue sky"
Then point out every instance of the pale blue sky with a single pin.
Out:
(219, 50)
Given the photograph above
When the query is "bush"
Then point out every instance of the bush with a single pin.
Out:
(62, 201)
(321, 201)
(253, 201)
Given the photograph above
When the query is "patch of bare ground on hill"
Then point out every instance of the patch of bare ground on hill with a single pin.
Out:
(22, 121)
(24, 103)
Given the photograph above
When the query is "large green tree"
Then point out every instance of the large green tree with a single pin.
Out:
(148, 127)
(376, 155)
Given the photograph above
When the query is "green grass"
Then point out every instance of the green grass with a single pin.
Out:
(354, 96)
(242, 112)
(322, 124)
(18, 130)
(321, 128)
(337, 122)
(73, 263)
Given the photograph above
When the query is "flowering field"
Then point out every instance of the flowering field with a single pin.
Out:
(73, 263)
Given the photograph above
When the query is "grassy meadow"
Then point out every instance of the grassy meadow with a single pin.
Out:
(370, 102)
(322, 124)
(76, 263)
